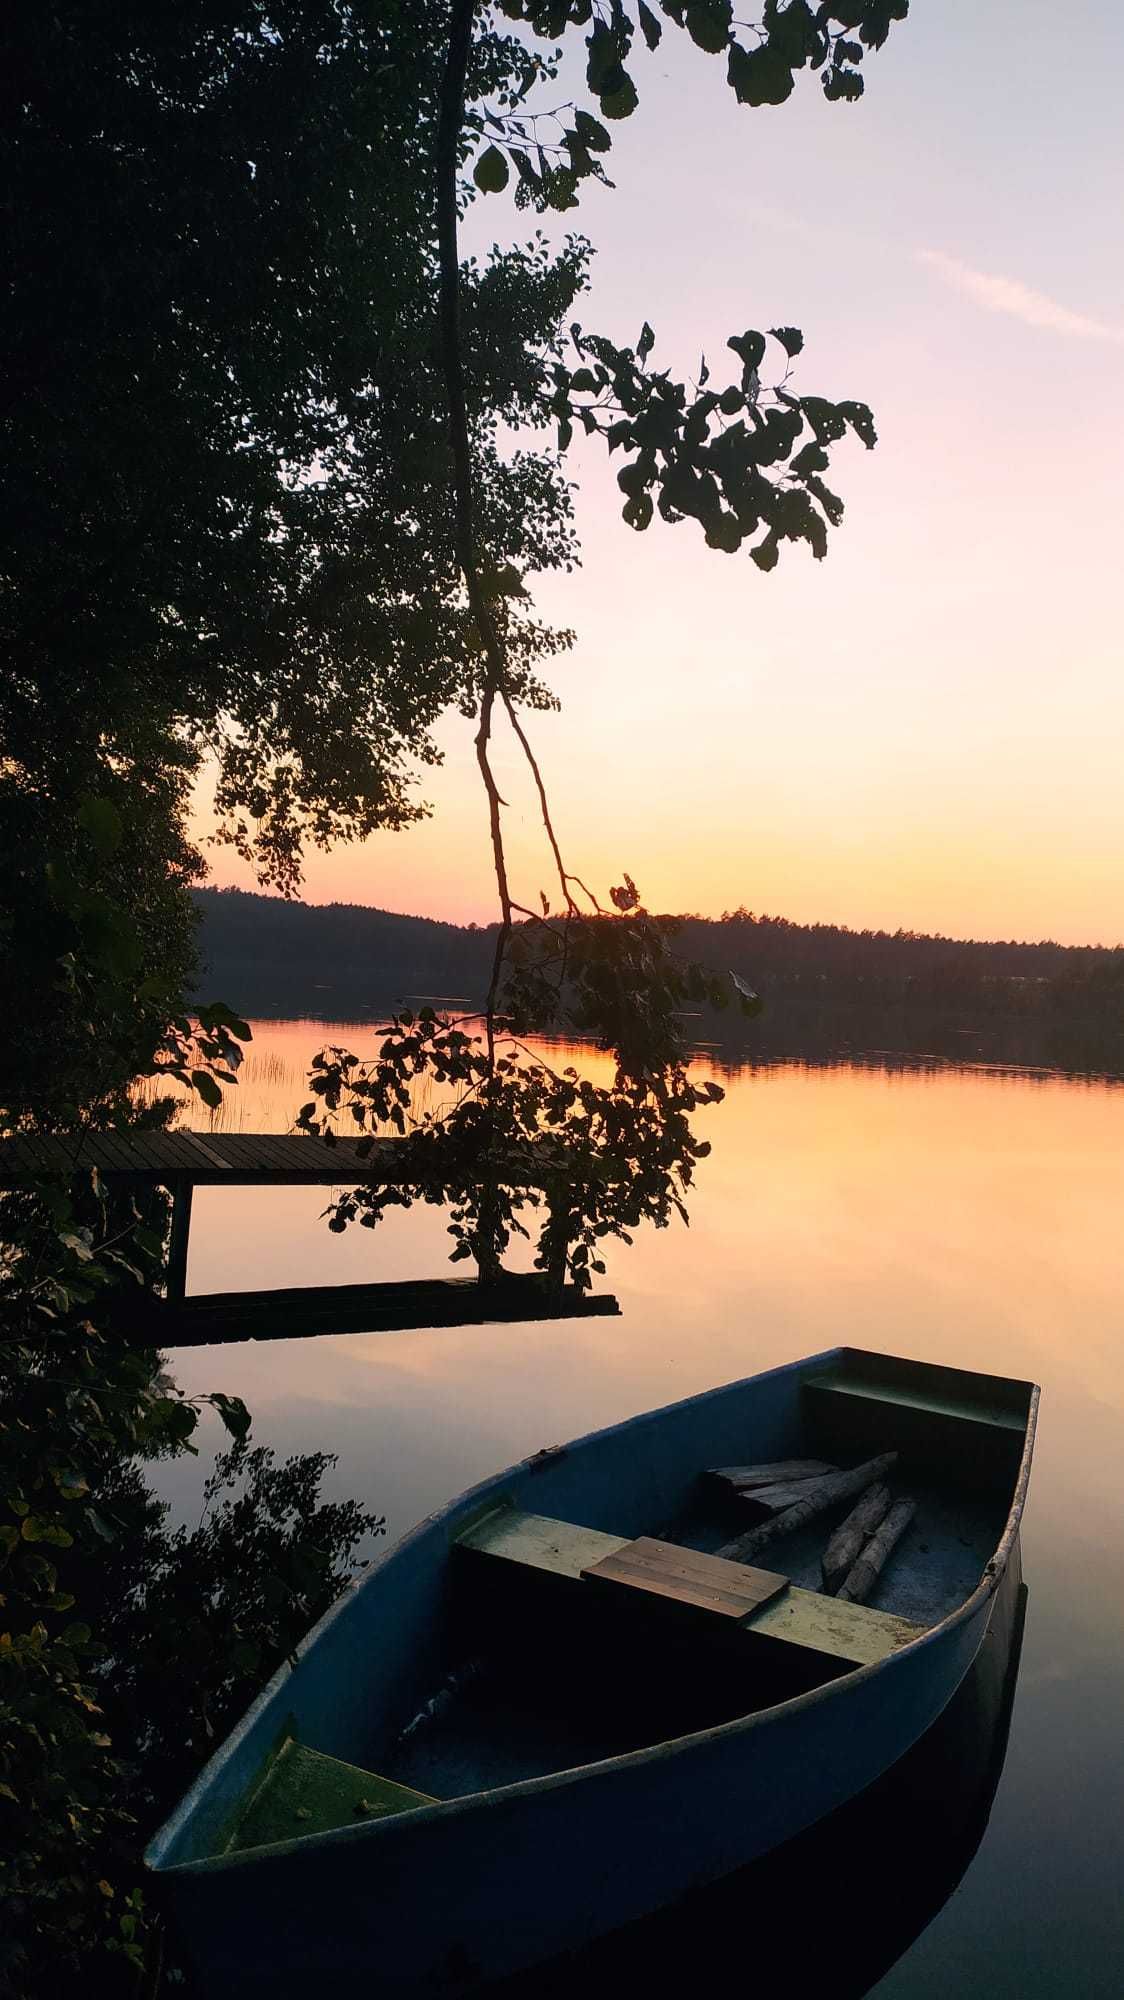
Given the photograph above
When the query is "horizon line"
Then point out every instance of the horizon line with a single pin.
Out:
(680, 916)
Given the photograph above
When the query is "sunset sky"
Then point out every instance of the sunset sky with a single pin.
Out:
(927, 728)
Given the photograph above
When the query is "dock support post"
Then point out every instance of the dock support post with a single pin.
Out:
(175, 1284)
(560, 1204)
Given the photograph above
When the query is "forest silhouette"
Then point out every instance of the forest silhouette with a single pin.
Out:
(1040, 1003)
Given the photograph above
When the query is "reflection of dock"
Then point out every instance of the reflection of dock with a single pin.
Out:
(832, 1911)
(183, 1161)
(378, 1308)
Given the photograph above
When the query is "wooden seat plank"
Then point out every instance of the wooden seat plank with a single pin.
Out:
(854, 1634)
(687, 1578)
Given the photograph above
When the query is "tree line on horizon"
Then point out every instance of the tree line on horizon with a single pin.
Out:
(273, 951)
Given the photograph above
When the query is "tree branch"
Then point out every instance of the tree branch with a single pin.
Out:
(450, 121)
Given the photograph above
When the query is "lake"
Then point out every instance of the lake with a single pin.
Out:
(966, 1214)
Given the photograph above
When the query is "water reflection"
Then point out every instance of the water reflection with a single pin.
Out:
(965, 1214)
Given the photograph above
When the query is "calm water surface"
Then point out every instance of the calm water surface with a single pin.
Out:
(966, 1215)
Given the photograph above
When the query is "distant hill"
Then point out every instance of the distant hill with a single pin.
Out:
(824, 984)
(270, 956)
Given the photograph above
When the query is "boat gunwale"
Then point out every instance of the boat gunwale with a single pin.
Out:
(497, 1796)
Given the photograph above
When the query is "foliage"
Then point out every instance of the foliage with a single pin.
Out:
(518, 1139)
(219, 236)
(698, 464)
(740, 459)
(125, 1648)
(86, 1569)
(278, 474)
(75, 1401)
(97, 922)
(221, 241)
(725, 456)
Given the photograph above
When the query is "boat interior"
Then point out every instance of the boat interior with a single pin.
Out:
(563, 1643)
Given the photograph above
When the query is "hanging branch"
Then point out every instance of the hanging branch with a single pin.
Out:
(450, 121)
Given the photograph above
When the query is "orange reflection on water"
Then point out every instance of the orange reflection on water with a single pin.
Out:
(960, 1215)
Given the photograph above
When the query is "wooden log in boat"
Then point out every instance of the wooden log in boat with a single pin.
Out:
(743, 1478)
(846, 1544)
(865, 1573)
(823, 1493)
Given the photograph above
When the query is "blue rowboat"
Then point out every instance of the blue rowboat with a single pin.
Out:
(550, 1711)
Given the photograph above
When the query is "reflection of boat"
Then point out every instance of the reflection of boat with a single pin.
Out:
(565, 1753)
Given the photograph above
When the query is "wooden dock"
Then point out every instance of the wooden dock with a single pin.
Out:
(238, 1159)
(183, 1161)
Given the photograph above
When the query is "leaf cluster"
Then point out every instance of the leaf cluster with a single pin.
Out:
(124, 1646)
(762, 62)
(738, 460)
(97, 923)
(226, 493)
(487, 1126)
(76, 1401)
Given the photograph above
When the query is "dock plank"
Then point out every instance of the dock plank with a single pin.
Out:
(209, 1158)
(114, 1155)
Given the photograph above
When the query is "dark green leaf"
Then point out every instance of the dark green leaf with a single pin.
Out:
(759, 76)
(750, 347)
(234, 1414)
(592, 132)
(491, 172)
(790, 337)
(650, 28)
(861, 420)
(101, 820)
(620, 102)
(207, 1088)
(708, 24)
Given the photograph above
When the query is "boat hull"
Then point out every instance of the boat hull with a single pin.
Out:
(472, 1889)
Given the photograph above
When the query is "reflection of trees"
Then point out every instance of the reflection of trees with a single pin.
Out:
(194, 1620)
